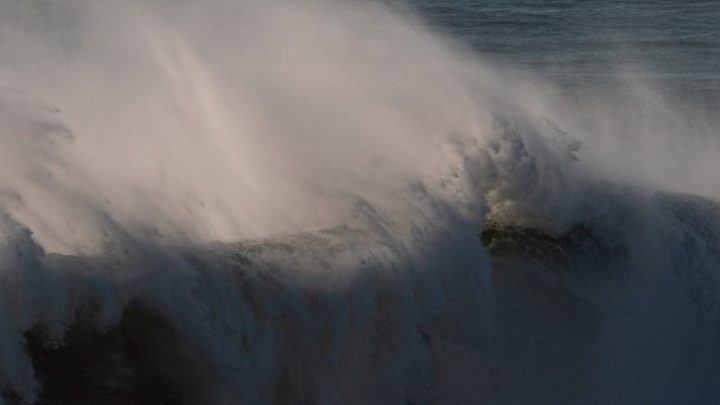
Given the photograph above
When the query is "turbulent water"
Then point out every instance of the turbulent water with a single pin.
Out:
(352, 202)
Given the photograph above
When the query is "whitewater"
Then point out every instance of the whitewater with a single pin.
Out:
(328, 202)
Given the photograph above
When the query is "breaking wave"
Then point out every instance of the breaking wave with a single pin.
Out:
(326, 202)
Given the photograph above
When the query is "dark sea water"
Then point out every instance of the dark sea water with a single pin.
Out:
(671, 44)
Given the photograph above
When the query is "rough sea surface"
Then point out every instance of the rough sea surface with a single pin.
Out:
(673, 42)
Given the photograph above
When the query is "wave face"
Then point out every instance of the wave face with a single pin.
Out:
(320, 202)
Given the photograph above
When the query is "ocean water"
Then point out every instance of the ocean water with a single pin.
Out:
(359, 202)
(670, 43)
